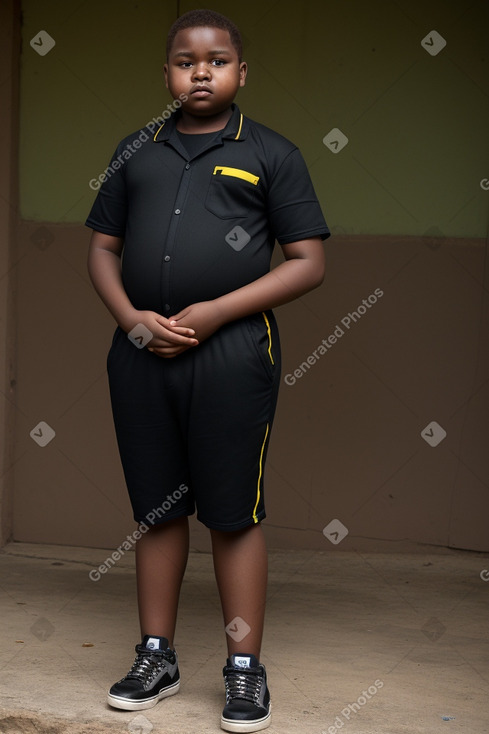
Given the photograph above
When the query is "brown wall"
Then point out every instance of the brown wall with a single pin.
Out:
(346, 443)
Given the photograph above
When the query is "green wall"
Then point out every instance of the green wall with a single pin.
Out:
(416, 123)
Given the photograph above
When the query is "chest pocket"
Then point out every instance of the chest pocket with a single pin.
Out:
(231, 192)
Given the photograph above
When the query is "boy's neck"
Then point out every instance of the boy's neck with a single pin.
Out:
(193, 125)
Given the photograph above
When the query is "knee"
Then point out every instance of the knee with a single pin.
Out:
(234, 535)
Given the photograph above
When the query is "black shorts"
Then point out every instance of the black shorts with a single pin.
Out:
(193, 430)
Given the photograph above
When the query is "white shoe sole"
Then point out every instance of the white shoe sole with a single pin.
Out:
(119, 702)
(247, 726)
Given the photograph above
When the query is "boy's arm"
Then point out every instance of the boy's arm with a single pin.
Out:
(302, 271)
(104, 267)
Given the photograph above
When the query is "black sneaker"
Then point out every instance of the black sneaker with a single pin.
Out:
(248, 706)
(154, 675)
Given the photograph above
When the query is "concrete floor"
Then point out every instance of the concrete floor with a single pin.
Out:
(365, 642)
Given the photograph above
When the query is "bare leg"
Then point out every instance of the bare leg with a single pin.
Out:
(161, 559)
(241, 568)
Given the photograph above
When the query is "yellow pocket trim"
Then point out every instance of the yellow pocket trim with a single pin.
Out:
(236, 173)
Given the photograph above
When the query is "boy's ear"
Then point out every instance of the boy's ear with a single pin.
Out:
(165, 72)
(243, 70)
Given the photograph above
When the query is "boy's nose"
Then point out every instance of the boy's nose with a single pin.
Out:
(202, 71)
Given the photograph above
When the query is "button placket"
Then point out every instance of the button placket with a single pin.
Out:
(172, 235)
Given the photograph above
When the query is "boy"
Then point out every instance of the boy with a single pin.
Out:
(197, 209)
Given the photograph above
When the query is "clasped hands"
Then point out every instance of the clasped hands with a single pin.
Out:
(187, 329)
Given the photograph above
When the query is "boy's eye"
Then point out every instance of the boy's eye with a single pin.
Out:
(214, 62)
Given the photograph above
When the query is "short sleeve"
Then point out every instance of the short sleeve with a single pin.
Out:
(293, 208)
(109, 211)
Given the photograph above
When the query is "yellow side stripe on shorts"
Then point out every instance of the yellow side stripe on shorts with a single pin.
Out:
(236, 173)
(269, 337)
(260, 475)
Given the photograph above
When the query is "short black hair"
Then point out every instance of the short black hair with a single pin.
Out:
(208, 19)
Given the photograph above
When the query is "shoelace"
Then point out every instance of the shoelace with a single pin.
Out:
(147, 666)
(244, 684)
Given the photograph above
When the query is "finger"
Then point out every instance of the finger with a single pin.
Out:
(169, 353)
(171, 339)
(172, 331)
(179, 316)
(167, 348)
(172, 323)
(175, 329)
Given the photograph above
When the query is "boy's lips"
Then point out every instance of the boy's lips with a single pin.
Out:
(201, 92)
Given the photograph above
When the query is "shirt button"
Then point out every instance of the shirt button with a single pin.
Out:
(177, 211)
(167, 257)
(187, 166)
(167, 306)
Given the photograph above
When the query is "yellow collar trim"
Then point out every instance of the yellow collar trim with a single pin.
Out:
(157, 132)
(236, 138)
(240, 126)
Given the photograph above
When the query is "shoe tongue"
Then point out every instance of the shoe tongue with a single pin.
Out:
(244, 661)
(155, 643)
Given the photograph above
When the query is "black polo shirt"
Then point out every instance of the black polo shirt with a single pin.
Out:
(197, 227)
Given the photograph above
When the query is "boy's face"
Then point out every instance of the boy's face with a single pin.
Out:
(204, 65)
